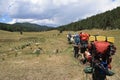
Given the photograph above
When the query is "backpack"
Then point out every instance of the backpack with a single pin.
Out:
(77, 39)
(84, 36)
(101, 47)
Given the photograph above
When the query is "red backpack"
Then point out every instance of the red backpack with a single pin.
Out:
(104, 50)
(84, 36)
(101, 46)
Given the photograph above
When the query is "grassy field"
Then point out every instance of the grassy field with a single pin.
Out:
(54, 61)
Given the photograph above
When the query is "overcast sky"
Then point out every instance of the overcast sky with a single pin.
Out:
(52, 12)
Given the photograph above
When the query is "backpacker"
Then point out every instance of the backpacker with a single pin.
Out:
(103, 51)
(84, 37)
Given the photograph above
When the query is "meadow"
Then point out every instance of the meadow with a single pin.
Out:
(54, 57)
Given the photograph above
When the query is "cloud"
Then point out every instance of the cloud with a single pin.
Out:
(12, 21)
(4, 6)
(55, 12)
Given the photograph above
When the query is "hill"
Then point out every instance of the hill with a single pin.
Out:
(106, 20)
(27, 27)
(18, 62)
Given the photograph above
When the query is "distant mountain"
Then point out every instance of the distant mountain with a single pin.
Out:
(106, 20)
(28, 27)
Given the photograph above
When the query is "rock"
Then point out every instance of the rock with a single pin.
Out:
(37, 51)
(56, 51)
(11, 49)
(37, 44)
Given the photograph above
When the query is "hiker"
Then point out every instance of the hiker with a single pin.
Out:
(99, 55)
(76, 45)
(72, 39)
(84, 37)
(21, 32)
(69, 37)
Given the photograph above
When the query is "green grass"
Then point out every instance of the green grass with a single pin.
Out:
(18, 62)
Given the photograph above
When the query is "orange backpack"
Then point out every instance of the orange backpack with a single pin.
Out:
(84, 36)
(101, 47)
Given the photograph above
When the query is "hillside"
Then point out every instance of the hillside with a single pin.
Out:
(27, 27)
(106, 20)
(55, 60)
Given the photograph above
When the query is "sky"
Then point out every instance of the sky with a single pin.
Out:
(52, 12)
